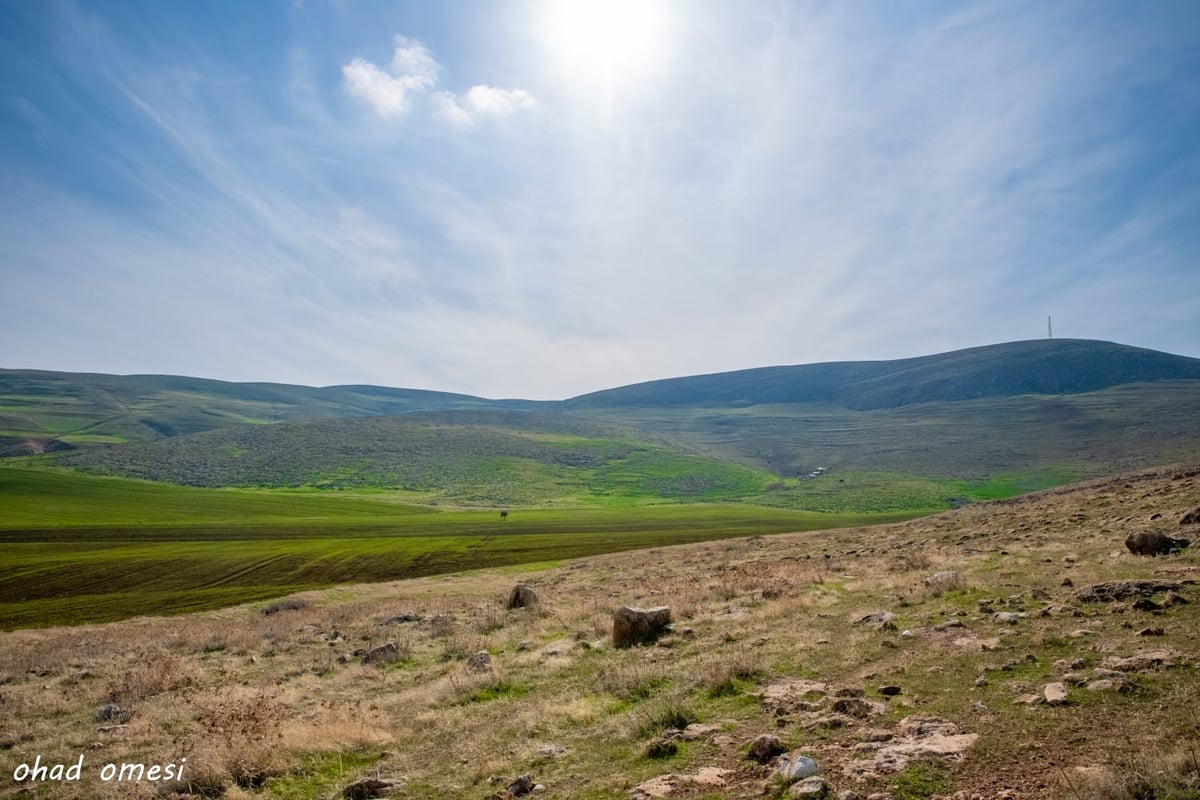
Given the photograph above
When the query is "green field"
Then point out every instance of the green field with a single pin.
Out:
(76, 549)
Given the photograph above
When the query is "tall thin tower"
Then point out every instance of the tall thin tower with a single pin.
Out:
(1049, 329)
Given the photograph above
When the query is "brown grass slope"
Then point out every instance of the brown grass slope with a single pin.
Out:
(279, 706)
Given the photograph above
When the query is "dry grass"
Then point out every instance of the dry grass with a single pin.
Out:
(282, 706)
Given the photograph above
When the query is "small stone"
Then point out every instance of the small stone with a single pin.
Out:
(523, 785)
(551, 751)
(1068, 582)
(813, 786)
(1055, 693)
(766, 747)
(1005, 617)
(796, 767)
(1151, 632)
(981, 682)
(110, 712)
(906, 634)
(383, 654)
(1074, 679)
(890, 691)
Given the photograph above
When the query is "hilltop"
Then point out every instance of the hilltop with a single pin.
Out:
(434, 685)
(1039, 367)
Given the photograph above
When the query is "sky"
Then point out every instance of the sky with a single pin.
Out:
(541, 198)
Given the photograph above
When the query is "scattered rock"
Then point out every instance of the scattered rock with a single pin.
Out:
(383, 654)
(857, 707)
(890, 691)
(111, 712)
(523, 785)
(884, 620)
(1146, 604)
(766, 747)
(1191, 518)
(1055, 693)
(1005, 617)
(946, 579)
(632, 626)
(480, 662)
(551, 751)
(521, 596)
(813, 786)
(403, 617)
(1151, 632)
(1154, 543)
(918, 737)
(1113, 591)
(697, 731)
(368, 788)
(1074, 679)
(795, 766)
(1068, 664)
(1144, 661)
(665, 785)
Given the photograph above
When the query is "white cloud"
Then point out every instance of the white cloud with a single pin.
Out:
(480, 101)
(414, 71)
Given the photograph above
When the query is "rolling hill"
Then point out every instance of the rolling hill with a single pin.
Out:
(919, 433)
(1039, 367)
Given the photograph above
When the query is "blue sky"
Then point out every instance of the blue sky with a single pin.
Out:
(539, 199)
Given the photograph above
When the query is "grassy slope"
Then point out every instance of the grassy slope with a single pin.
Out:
(912, 458)
(458, 458)
(1047, 367)
(87, 408)
(263, 708)
(76, 548)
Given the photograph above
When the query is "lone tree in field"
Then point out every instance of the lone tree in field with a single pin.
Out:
(503, 515)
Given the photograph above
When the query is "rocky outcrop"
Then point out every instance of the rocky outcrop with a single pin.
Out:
(1154, 543)
(521, 596)
(632, 626)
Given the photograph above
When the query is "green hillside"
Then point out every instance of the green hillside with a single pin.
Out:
(457, 458)
(1042, 367)
(83, 408)
(914, 434)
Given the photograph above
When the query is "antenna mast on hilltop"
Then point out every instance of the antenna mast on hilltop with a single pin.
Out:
(1049, 329)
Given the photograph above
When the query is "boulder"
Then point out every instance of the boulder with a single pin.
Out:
(521, 596)
(1055, 693)
(633, 626)
(766, 747)
(1154, 543)
(813, 786)
(522, 785)
(383, 654)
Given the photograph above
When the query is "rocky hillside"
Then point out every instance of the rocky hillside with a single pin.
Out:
(1006, 650)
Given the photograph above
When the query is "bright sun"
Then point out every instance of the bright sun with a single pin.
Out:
(604, 41)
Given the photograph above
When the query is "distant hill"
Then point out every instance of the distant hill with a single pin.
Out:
(918, 433)
(90, 408)
(1040, 367)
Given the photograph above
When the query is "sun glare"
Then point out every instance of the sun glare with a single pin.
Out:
(604, 41)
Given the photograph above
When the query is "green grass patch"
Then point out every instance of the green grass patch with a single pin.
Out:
(76, 549)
